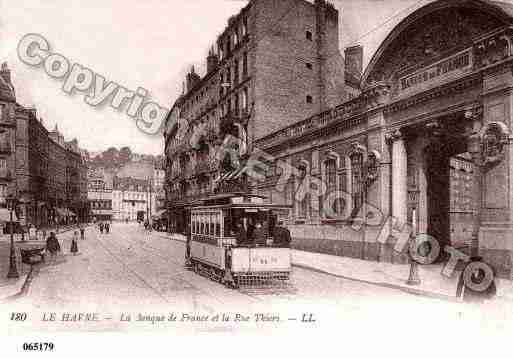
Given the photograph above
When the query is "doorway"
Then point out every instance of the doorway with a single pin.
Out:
(449, 184)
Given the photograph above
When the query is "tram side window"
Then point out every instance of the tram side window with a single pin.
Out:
(202, 228)
(218, 229)
(212, 231)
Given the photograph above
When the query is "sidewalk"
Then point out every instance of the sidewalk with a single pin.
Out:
(11, 287)
(433, 283)
(62, 229)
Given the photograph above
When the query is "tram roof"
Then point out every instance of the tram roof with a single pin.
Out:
(264, 206)
(235, 200)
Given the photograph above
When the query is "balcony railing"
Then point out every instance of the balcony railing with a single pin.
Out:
(6, 119)
(5, 147)
(5, 174)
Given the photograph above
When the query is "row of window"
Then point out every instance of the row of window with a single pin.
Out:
(208, 224)
(237, 73)
(302, 206)
(236, 104)
(234, 74)
(230, 42)
(129, 196)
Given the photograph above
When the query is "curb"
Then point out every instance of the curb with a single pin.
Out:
(413, 291)
(168, 237)
(408, 290)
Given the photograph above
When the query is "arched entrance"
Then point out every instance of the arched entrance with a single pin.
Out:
(449, 184)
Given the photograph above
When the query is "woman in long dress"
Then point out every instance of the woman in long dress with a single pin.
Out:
(52, 246)
(74, 243)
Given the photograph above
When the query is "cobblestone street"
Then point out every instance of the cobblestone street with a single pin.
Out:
(130, 271)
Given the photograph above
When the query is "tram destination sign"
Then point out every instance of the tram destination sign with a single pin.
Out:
(441, 71)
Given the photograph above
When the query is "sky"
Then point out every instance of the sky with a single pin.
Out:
(149, 44)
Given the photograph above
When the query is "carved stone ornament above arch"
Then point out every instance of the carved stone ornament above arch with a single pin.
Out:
(357, 149)
(432, 33)
(303, 163)
(494, 138)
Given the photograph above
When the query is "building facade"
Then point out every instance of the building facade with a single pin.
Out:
(133, 199)
(32, 164)
(275, 63)
(99, 195)
(76, 182)
(427, 142)
(8, 115)
(159, 179)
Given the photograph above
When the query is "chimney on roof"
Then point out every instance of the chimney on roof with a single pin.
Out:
(212, 60)
(192, 79)
(354, 60)
(6, 73)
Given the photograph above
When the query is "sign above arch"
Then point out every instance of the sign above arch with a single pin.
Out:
(431, 34)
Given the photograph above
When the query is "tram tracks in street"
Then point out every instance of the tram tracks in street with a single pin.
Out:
(187, 285)
(286, 289)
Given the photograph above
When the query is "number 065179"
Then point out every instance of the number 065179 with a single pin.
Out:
(41, 347)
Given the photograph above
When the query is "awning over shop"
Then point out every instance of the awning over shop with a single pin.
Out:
(5, 215)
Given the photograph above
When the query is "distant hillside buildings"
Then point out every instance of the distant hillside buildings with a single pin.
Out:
(136, 190)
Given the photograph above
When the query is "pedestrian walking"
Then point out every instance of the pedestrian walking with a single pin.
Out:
(259, 234)
(74, 244)
(101, 227)
(282, 237)
(52, 246)
(107, 227)
(82, 232)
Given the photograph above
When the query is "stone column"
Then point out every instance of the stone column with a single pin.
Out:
(475, 150)
(399, 177)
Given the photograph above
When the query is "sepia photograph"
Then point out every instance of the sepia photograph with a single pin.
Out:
(269, 170)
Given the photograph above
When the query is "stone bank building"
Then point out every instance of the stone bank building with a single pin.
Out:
(427, 140)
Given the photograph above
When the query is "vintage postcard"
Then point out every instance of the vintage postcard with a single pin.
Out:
(255, 168)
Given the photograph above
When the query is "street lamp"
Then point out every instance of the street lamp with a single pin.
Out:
(413, 278)
(13, 269)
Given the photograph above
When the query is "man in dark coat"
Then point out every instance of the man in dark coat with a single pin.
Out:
(241, 234)
(260, 234)
(282, 237)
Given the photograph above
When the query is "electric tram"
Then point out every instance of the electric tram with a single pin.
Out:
(235, 239)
